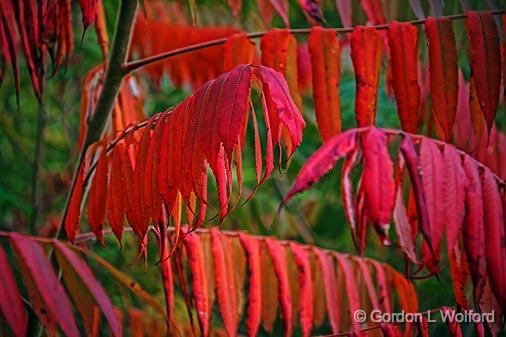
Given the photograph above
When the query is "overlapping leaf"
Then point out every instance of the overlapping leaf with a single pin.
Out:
(170, 154)
(454, 194)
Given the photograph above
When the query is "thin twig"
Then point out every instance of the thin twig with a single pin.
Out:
(112, 82)
(137, 64)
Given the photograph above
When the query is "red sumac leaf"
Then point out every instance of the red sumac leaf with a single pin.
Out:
(322, 161)
(366, 49)
(98, 196)
(278, 254)
(11, 306)
(251, 246)
(330, 285)
(495, 237)
(443, 74)
(402, 40)
(325, 65)
(48, 298)
(301, 256)
(474, 236)
(485, 61)
(377, 179)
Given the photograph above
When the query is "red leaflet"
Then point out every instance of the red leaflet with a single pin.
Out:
(345, 12)
(251, 247)
(390, 330)
(312, 10)
(98, 196)
(325, 66)
(383, 286)
(74, 267)
(301, 256)
(281, 6)
(495, 237)
(474, 236)
(278, 254)
(235, 5)
(403, 40)
(378, 180)
(139, 196)
(115, 194)
(459, 271)
(403, 229)
(351, 289)
(74, 207)
(409, 154)
(431, 163)
(347, 194)
(366, 49)
(366, 274)
(322, 161)
(453, 325)
(422, 327)
(11, 306)
(47, 295)
(279, 97)
(443, 74)
(374, 11)
(330, 284)
(237, 50)
(279, 52)
(196, 261)
(485, 61)
(167, 277)
(89, 8)
(225, 284)
(454, 195)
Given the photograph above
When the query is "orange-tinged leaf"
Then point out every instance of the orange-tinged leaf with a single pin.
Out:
(366, 50)
(278, 255)
(402, 40)
(85, 289)
(225, 283)
(251, 246)
(485, 61)
(270, 289)
(167, 275)
(196, 261)
(325, 65)
(443, 74)
(330, 285)
(115, 193)
(301, 256)
(351, 289)
(47, 295)
(238, 50)
(279, 52)
(11, 306)
(98, 196)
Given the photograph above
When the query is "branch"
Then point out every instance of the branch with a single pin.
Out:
(112, 83)
(136, 65)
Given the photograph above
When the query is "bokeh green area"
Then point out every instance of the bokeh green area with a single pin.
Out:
(314, 217)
